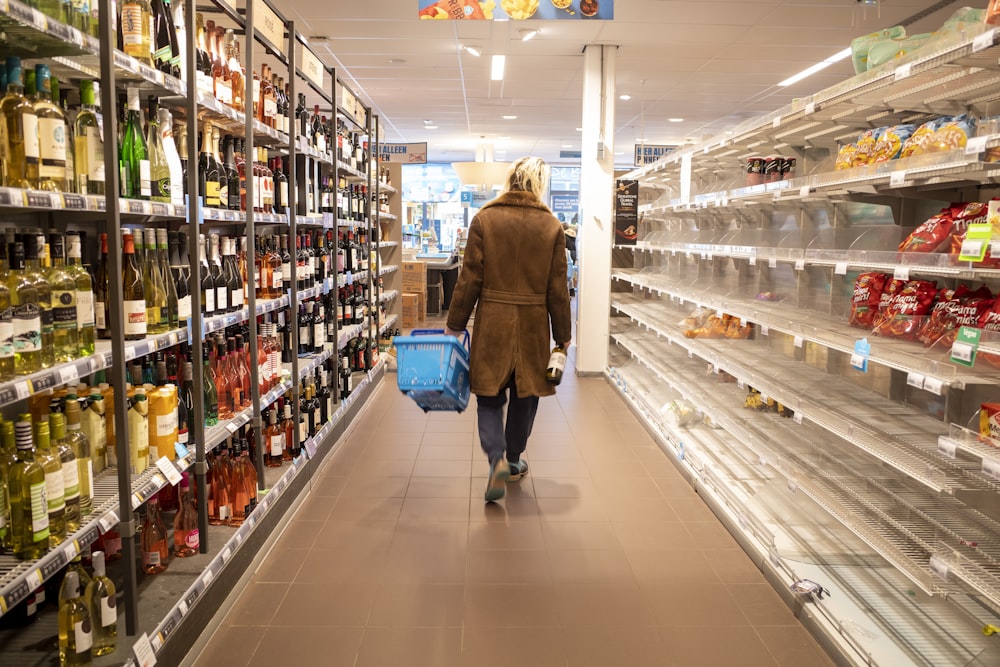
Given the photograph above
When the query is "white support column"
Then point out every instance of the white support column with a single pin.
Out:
(596, 228)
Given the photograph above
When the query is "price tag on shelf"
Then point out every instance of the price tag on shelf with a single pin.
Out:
(34, 579)
(776, 122)
(69, 375)
(22, 389)
(311, 447)
(862, 350)
(108, 521)
(840, 269)
(915, 380)
(793, 486)
(903, 72)
(169, 470)
(797, 341)
(933, 385)
(136, 207)
(74, 202)
(231, 427)
(976, 145)
(977, 240)
(897, 178)
(800, 264)
(40, 199)
(963, 350)
(901, 273)
(226, 554)
(182, 607)
(947, 447)
(7, 198)
(983, 40)
(765, 330)
(809, 109)
(764, 398)
(143, 651)
(991, 468)
(797, 417)
(207, 577)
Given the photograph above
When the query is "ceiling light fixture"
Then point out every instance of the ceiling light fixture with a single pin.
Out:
(472, 50)
(430, 127)
(496, 70)
(509, 117)
(528, 34)
(624, 98)
(818, 67)
(567, 145)
(676, 120)
(579, 129)
(427, 121)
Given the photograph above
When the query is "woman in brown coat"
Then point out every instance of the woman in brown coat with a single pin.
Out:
(514, 275)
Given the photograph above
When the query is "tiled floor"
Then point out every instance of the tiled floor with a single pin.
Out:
(601, 556)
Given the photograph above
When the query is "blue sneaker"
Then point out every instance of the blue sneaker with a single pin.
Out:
(518, 469)
(496, 485)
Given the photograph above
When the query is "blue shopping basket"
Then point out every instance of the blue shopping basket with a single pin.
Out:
(432, 368)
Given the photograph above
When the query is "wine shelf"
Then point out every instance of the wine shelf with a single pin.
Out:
(387, 244)
(388, 269)
(388, 296)
(389, 323)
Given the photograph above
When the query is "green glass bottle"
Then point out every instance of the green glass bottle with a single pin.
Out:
(134, 156)
(52, 135)
(29, 513)
(211, 396)
(75, 627)
(75, 565)
(27, 315)
(66, 335)
(70, 470)
(55, 485)
(88, 160)
(5, 466)
(154, 289)
(18, 130)
(85, 327)
(33, 246)
(81, 449)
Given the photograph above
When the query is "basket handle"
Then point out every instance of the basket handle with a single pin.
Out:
(430, 332)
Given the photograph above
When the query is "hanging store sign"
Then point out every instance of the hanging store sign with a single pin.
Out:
(350, 105)
(626, 211)
(516, 10)
(268, 24)
(404, 153)
(312, 68)
(648, 154)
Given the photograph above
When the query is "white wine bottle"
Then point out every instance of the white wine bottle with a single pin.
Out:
(103, 611)
(557, 364)
(75, 638)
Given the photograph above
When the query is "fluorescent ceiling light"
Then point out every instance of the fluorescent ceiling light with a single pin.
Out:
(528, 34)
(472, 50)
(430, 127)
(567, 145)
(624, 98)
(579, 129)
(509, 117)
(676, 120)
(496, 71)
(818, 67)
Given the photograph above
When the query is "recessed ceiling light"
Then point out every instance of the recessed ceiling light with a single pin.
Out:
(528, 34)
(472, 50)
(624, 98)
(430, 127)
(579, 129)
(497, 67)
(620, 153)
(676, 120)
(428, 121)
(643, 140)
(509, 117)
(396, 61)
(567, 145)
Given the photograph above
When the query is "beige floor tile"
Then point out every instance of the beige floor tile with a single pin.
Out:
(405, 421)
(434, 565)
(257, 604)
(564, 487)
(559, 468)
(671, 567)
(733, 566)
(338, 534)
(366, 509)
(391, 437)
(413, 647)
(330, 484)
(326, 605)
(534, 647)
(701, 647)
(344, 564)
(603, 605)
(761, 604)
(447, 439)
(431, 533)
(600, 647)
(300, 534)
(564, 535)
(375, 486)
(792, 646)
(509, 509)
(438, 487)
(443, 452)
(315, 508)
(674, 487)
(432, 468)
(572, 509)
(508, 566)
(500, 535)
(374, 468)
(692, 509)
(301, 646)
(710, 535)
(281, 565)
(631, 508)
(230, 645)
(627, 487)
(650, 453)
(662, 470)
(590, 566)
(663, 535)
(510, 605)
(419, 605)
(390, 452)
(549, 450)
(435, 509)
(694, 602)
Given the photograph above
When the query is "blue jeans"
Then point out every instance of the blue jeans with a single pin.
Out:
(512, 438)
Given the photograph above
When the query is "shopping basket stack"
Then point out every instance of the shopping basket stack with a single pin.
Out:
(433, 369)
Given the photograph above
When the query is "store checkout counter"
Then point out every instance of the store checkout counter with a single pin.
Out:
(433, 276)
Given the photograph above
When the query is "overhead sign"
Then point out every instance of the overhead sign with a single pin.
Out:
(648, 154)
(517, 10)
(570, 154)
(568, 203)
(312, 68)
(404, 153)
(268, 24)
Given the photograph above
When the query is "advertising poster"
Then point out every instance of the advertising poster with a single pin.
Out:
(404, 153)
(626, 211)
(516, 10)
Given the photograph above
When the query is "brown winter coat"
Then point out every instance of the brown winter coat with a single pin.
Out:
(515, 270)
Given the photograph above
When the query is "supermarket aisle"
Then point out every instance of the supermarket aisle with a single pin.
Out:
(601, 556)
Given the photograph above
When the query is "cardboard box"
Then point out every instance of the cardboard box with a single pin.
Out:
(414, 276)
(411, 310)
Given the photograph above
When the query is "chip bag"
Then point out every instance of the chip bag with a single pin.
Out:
(865, 153)
(971, 214)
(890, 142)
(989, 420)
(952, 133)
(954, 309)
(866, 297)
(845, 157)
(904, 313)
(921, 138)
(933, 235)
(990, 321)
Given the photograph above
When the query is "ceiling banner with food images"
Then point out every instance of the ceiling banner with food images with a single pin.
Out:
(517, 10)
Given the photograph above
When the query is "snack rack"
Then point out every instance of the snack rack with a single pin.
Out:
(872, 480)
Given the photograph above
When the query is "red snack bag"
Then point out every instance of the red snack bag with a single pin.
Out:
(942, 317)
(905, 313)
(886, 307)
(990, 321)
(972, 213)
(934, 235)
(989, 421)
(865, 301)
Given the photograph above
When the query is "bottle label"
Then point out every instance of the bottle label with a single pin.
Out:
(557, 362)
(166, 425)
(101, 321)
(109, 614)
(145, 180)
(223, 512)
(6, 333)
(89, 472)
(220, 298)
(277, 279)
(212, 193)
(319, 334)
(270, 108)
(94, 155)
(4, 140)
(256, 91)
(224, 193)
(64, 309)
(135, 317)
(71, 480)
(131, 17)
(39, 512)
(27, 327)
(208, 297)
(48, 319)
(52, 146)
(55, 490)
(303, 430)
(29, 124)
(286, 270)
(303, 335)
(150, 557)
(82, 636)
(224, 91)
(283, 193)
(162, 187)
(112, 545)
(182, 436)
(84, 308)
(192, 539)
(238, 297)
(277, 444)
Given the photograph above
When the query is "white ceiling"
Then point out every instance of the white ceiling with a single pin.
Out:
(709, 62)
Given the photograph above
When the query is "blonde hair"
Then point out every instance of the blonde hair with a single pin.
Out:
(529, 174)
